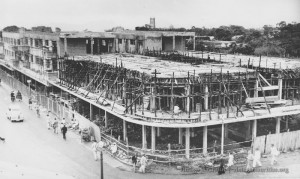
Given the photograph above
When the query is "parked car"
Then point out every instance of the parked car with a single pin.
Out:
(14, 113)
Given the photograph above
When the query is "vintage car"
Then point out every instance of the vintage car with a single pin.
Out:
(14, 113)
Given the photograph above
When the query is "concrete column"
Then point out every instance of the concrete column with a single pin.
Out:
(66, 45)
(280, 88)
(173, 42)
(187, 143)
(153, 142)
(222, 139)
(254, 128)
(256, 89)
(286, 123)
(226, 130)
(194, 47)
(188, 99)
(124, 130)
(152, 102)
(206, 98)
(91, 112)
(180, 136)
(158, 132)
(204, 146)
(92, 44)
(278, 125)
(144, 137)
(248, 130)
(106, 119)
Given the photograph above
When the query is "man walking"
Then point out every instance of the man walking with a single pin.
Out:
(64, 131)
(256, 158)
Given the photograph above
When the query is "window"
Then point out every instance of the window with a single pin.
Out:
(46, 43)
(132, 42)
(18, 42)
(120, 41)
(48, 63)
(36, 42)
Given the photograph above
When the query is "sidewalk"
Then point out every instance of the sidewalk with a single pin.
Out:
(74, 135)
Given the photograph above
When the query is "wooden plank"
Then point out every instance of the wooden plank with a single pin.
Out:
(266, 88)
(261, 99)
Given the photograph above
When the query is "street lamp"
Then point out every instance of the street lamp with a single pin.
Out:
(29, 81)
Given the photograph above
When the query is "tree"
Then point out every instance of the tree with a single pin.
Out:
(12, 28)
(223, 34)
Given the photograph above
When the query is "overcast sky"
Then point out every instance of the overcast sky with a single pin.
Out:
(98, 15)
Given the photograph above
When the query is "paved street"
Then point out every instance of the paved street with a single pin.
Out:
(31, 151)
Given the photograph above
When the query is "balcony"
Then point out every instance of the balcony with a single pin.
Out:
(49, 54)
(21, 48)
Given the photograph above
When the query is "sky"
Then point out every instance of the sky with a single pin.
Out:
(100, 15)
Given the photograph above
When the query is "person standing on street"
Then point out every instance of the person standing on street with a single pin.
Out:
(143, 164)
(274, 154)
(48, 121)
(55, 126)
(30, 103)
(64, 131)
(94, 149)
(249, 162)
(134, 161)
(256, 158)
(230, 160)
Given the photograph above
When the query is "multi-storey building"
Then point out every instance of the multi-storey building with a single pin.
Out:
(185, 100)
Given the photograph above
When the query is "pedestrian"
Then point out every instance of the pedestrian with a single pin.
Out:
(143, 164)
(30, 103)
(38, 110)
(249, 162)
(64, 131)
(256, 158)
(221, 168)
(55, 126)
(230, 160)
(62, 122)
(134, 161)
(274, 154)
(100, 145)
(94, 149)
(48, 120)
(114, 149)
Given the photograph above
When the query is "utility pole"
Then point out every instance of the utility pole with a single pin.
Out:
(101, 165)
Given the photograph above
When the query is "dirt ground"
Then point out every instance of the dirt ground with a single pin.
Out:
(288, 166)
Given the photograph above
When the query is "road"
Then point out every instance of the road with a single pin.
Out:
(31, 145)
(32, 151)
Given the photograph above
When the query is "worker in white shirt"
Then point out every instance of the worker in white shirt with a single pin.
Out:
(256, 158)
(274, 154)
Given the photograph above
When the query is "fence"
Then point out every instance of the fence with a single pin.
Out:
(283, 141)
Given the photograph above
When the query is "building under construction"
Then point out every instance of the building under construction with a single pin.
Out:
(195, 104)
(145, 92)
